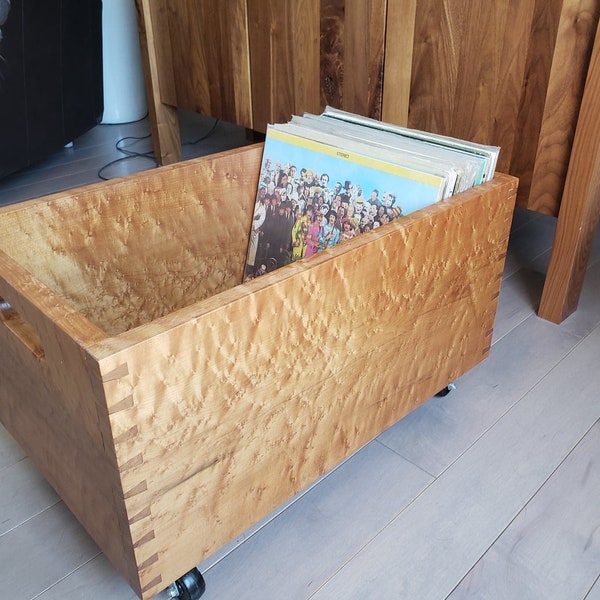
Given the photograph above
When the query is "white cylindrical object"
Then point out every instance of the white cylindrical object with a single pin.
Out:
(123, 74)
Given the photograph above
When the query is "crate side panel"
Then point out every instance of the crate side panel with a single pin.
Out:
(49, 405)
(42, 323)
(242, 406)
(127, 251)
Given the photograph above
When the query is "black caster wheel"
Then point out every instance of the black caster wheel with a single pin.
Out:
(189, 586)
(446, 390)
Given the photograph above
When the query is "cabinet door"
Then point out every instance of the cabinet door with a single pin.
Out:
(209, 63)
(284, 59)
(306, 54)
(254, 62)
(509, 73)
(352, 55)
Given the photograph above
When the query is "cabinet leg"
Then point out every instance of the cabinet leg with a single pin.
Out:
(579, 208)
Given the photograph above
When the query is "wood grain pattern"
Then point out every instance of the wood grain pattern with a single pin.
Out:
(211, 62)
(466, 80)
(580, 210)
(352, 55)
(332, 53)
(254, 62)
(156, 59)
(510, 74)
(211, 407)
(121, 266)
(22, 330)
(284, 52)
(54, 413)
(514, 80)
(435, 437)
(544, 24)
(399, 42)
(320, 531)
(576, 30)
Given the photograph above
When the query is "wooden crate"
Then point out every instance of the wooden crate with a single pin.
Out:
(172, 406)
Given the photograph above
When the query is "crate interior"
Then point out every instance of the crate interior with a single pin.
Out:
(124, 253)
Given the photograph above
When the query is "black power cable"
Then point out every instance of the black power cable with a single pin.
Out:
(150, 154)
(128, 154)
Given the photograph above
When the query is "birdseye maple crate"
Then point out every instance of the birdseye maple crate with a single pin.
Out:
(172, 406)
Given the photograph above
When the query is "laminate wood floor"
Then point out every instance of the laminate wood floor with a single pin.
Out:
(492, 492)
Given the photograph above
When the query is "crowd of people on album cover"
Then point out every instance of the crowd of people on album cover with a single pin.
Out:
(300, 212)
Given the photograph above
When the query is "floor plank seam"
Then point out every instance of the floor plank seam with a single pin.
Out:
(596, 583)
(523, 508)
(508, 409)
(371, 539)
(30, 518)
(41, 593)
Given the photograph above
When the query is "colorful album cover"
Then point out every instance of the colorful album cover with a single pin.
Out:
(312, 196)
